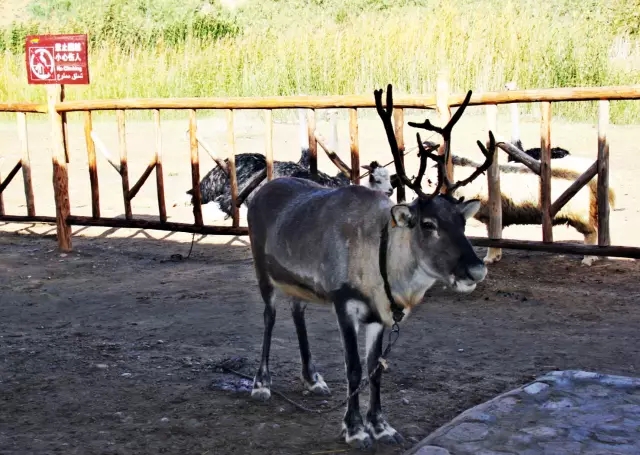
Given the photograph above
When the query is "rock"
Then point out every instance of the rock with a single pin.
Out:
(164, 419)
(468, 432)
(560, 404)
(536, 388)
(102, 366)
(126, 375)
(405, 401)
(432, 450)
(541, 431)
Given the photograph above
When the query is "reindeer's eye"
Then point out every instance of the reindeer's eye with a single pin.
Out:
(429, 224)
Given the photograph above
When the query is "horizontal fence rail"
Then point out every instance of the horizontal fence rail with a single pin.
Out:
(348, 101)
(441, 101)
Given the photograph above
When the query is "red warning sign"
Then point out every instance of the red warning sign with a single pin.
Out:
(57, 59)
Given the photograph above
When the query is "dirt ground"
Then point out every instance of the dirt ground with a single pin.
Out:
(113, 348)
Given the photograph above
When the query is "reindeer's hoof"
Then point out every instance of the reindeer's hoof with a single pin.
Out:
(384, 433)
(318, 386)
(357, 437)
(589, 260)
(260, 392)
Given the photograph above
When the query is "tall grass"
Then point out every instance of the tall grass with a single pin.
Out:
(322, 47)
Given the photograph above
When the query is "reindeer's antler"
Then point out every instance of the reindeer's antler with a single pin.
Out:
(445, 132)
(385, 115)
(441, 160)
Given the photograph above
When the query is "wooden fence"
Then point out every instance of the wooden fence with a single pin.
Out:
(442, 101)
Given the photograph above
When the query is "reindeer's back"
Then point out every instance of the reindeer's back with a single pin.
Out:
(292, 209)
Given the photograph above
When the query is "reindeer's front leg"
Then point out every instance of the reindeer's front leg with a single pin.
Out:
(377, 426)
(352, 426)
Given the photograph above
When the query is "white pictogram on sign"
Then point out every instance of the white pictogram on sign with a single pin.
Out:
(41, 63)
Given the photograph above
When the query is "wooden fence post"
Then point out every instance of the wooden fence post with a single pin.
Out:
(162, 208)
(65, 129)
(60, 174)
(124, 166)
(354, 145)
(233, 178)
(26, 163)
(604, 236)
(493, 181)
(195, 167)
(398, 128)
(444, 114)
(313, 144)
(545, 172)
(268, 124)
(93, 165)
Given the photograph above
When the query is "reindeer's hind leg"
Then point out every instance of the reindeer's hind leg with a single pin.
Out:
(262, 380)
(312, 380)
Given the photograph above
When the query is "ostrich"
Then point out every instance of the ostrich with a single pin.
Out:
(214, 187)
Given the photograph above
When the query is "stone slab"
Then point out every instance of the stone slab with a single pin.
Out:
(569, 412)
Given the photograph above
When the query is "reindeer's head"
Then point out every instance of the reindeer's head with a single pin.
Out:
(379, 178)
(435, 223)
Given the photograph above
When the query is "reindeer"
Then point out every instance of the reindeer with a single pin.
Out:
(369, 258)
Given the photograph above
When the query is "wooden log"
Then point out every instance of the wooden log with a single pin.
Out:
(556, 248)
(60, 173)
(313, 146)
(124, 167)
(27, 219)
(156, 225)
(65, 127)
(195, 168)
(573, 189)
(545, 172)
(520, 156)
(162, 207)
(26, 163)
(143, 178)
(10, 176)
(268, 124)
(34, 108)
(493, 181)
(102, 148)
(250, 186)
(631, 92)
(233, 180)
(443, 109)
(559, 247)
(604, 235)
(93, 165)
(212, 155)
(333, 156)
(398, 129)
(354, 146)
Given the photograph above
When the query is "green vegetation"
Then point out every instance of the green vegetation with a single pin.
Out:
(163, 48)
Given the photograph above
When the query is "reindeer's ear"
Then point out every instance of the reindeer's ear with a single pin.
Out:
(367, 167)
(190, 192)
(403, 216)
(469, 208)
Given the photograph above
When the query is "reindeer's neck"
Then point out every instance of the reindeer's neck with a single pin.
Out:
(407, 280)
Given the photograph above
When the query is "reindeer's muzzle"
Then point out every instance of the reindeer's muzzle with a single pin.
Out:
(468, 275)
